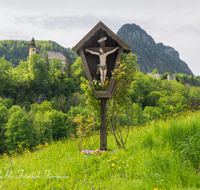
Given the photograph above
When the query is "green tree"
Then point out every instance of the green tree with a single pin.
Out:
(165, 76)
(78, 72)
(6, 82)
(19, 132)
(8, 103)
(42, 128)
(67, 68)
(57, 123)
(155, 71)
(40, 77)
(3, 121)
(152, 98)
(13, 109)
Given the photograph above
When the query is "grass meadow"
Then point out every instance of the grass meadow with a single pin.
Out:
(162, 155)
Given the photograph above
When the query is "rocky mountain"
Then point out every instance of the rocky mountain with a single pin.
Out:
(152, 55)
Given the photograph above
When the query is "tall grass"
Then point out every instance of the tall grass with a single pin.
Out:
(161, 155)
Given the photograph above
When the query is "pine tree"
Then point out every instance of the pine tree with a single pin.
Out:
(68, 67)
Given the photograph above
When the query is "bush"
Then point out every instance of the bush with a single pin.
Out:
(154, 112)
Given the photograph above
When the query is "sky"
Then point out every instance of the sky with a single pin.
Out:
(175, 23)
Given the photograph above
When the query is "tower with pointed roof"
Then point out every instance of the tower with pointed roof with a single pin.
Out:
(32, 49)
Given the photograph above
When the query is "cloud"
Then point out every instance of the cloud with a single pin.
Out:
(175, 23)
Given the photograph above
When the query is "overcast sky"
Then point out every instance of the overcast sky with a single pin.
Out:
(176, 23)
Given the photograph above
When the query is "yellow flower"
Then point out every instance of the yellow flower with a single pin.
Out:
(113, 164)
(108, 161)
(114, 158)
(155, 188)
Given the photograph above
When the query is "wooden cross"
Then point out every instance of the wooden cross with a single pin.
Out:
(102, 44)
(103, 128)
(93, 41)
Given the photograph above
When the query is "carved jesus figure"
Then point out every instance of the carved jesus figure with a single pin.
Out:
(102, 67)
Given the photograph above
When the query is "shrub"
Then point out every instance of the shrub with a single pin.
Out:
(154, 112)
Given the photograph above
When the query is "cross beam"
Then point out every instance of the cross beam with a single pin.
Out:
(105, 49)
(102, 44)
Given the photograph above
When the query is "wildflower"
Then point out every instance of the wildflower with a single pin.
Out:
(108, 161)
(114, 158)
(113, 164)
(155, 188)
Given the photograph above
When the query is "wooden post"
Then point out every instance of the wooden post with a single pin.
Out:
(103, 129)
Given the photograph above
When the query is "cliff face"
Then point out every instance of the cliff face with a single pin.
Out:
(151, 55)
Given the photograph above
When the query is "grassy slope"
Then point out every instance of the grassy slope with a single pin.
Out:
(161, 155)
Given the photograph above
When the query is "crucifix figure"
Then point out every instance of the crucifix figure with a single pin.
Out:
(102, 67)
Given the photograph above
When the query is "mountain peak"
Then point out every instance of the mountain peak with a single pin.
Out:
(151, 55)
(133, 31)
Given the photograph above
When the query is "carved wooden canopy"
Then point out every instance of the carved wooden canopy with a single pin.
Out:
(100, 37)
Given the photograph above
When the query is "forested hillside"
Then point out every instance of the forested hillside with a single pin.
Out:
(151, 55)
(15, 50)
(40, 99)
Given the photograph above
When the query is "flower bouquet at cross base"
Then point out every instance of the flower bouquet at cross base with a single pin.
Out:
(98, 86)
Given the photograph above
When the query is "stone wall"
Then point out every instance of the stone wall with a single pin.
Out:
(154, 75)
(171, 77)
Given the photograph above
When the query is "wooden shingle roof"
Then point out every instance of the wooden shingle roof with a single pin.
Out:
(99, 26)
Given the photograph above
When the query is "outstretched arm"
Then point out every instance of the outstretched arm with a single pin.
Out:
(112, 51)
(92, 52)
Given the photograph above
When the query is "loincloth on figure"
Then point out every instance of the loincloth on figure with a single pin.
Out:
(102, 67)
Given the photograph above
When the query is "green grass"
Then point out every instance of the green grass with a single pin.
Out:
(161, 155)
